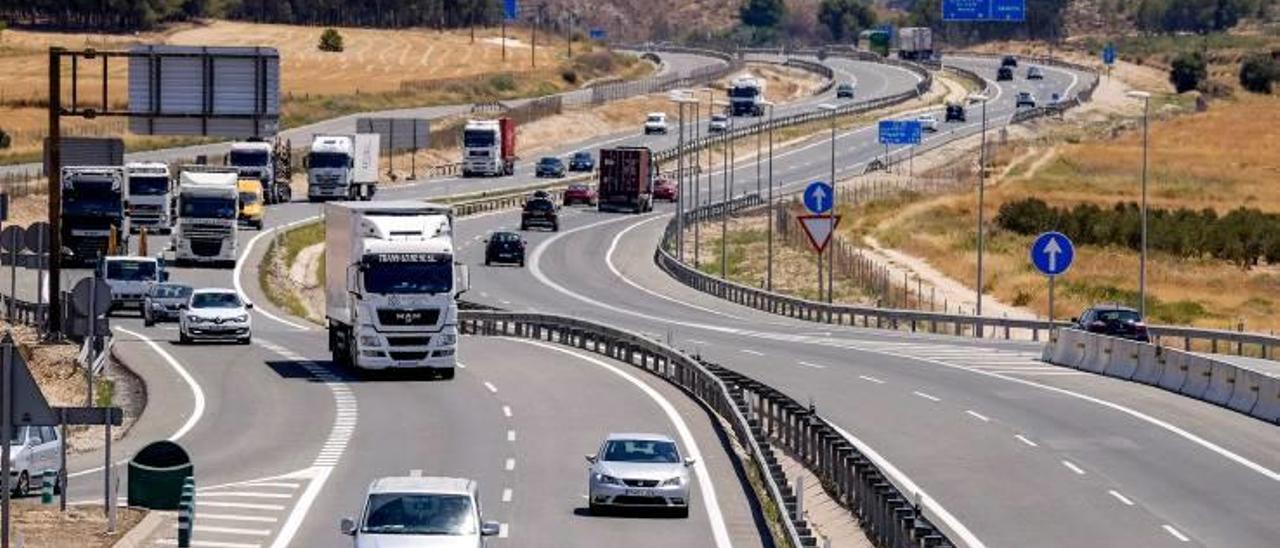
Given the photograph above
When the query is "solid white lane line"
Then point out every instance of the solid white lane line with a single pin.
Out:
(978, 415)
(706, 489)
(235, 273)
(1176, 534)
(237, 517)
(752, 352)
(1120, 497)
(506, 495)
(870, 379)
(813, 365)
(506, 410)
(510, 465)
(927, 396)
(241, 505)
(1072, 467)
(243, 494)
(696, 341)
(232, 530)
(491, 387)
(1024, 439)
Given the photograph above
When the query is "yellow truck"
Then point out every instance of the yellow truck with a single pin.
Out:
(252, 211)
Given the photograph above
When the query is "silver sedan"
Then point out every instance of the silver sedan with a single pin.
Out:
(639, 471)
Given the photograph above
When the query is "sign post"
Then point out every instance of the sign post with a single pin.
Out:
(819, 198)
(899, 132)
(1052, 254)
(21, 404)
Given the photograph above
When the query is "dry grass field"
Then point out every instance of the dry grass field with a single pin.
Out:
(367, 75)
(1221, 159)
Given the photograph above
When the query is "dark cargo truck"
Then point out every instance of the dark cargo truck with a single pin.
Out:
(626, 179)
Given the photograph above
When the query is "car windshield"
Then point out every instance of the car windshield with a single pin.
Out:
(170, 291)
(656, 119)
(408, 274)
(15, 435)
(247, 198)
(719, 118)
(1121, 316)
(327, 160)
(208, 208)
(91, 199)
(476, 138)
(505, 237)
(249, 158)
(419, 514)
(148, 185)
(744, 92)
(578, 188)
(539, 205)
(551, 162)
(582, 156)
(653, 451)
(215, 300)
(131, 271)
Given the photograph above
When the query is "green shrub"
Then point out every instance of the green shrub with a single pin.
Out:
(1258, 72)
(330, 40)
(503, 82)
(1187, 71)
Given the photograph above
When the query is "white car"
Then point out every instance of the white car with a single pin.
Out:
(639, 471)
(215, 315)
(928, 122)
(32, 450)
(655, 122)
(719, 124)
(423, 512)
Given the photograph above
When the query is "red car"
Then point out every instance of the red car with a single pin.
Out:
(580, 194)
(664, 189)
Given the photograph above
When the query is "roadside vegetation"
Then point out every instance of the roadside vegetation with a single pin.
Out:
(273, 274)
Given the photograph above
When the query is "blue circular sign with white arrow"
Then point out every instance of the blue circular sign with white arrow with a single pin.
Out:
(818, 197)
(1052, 253)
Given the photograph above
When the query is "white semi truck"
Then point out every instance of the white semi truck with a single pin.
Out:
(915, 43)
(489, 147)
(149, 196)
(208, 207)
(746, 96)
(267, 162)
(342, 167)
(391, 285)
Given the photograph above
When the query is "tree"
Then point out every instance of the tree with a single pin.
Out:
(763, 13)
(1187, 71)
(4, 139)
(330, 40)
(844, 19)
(1258, 72)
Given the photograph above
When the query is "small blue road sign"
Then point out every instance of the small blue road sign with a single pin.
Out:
(597, 34)
(511, 9)
(1052, 253)
(818, 197)
(984, 10)
(899, 132)
(1109, 54)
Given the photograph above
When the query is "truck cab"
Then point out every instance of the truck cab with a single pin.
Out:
(252, 212)
(130, 278)
(746, 97)
(391, 285)
(93, 213)
(267, 163)
(489, 147)
(208, 213)
(149, 196)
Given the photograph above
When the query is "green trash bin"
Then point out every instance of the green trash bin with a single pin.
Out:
(156, 474)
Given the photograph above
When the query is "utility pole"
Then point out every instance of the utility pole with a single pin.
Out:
(982, 189)
(768, 281)
(54, 174)
(1145, 97)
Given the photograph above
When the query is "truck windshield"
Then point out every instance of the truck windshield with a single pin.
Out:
(744, 92)
(131, 271)
(97, 199)
(208, 208)
(148, 186)
(408, 274)
(419, 514)
(249, 158)
(328, 160)
(477, 138)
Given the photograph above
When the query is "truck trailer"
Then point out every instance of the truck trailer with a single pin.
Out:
(915, 43)
(626, 179)
(391, 285)
(342, 167)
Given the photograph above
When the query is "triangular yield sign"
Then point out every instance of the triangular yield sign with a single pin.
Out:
(29, 406)
(819, 229)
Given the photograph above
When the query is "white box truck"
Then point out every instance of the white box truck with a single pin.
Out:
(915, 43)
(149, 196)
(208, 208)
(391, 285)
(342, 167)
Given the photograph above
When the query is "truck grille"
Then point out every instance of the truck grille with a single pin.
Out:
(195, 231)
(206, 247)
(425, 316)
(407, 356)
(409, 341)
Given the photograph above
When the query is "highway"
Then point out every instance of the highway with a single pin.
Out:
(983, 428)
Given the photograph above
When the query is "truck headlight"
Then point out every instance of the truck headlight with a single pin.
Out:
(448, 339)
(370, 340)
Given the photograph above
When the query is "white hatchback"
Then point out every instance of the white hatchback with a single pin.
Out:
(32, 450)
(655, 122)
(928, 122)
(639, 471)
(423, 512)
(215, 315)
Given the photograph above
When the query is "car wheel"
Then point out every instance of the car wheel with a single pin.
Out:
(147, 321)
(24, 485)
(487, 262)
(522, 262)
(246, 340)
(447, 374)
(682, 512)
(555, 227)
(183, 338)
(595, 509)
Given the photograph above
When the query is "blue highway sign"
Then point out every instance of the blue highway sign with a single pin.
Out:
(984, 10)
(1052, 253)
(511, 9)
(818, 197)
(597, 34)
(899, 132)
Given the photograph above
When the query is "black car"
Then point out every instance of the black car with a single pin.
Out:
(955, 112)
(844, 91)
(550, 167)
(504, 247)
(1005, 73)
(540, 212)
(1113, 321)
(582, 161)
(1009, 61)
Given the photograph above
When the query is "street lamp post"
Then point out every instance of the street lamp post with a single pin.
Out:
(982, 188)
(1145, 97)
(835, 191)
(768, 276)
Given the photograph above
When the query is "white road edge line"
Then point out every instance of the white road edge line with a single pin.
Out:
(1072, 467)
(719, 528)
(197, 395)
(1176, 534)
(926, 396)
(752, 352)
(813, 365)
(1024, 439)
(870, 379)
(235, 273)
(1120, 497)
(978, 415)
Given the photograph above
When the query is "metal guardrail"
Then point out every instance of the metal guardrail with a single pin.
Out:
(759, 416)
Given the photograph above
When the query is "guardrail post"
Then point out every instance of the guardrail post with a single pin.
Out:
(186, 512)
(46, 486)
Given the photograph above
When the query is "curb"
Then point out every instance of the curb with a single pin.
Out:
(143, 531)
